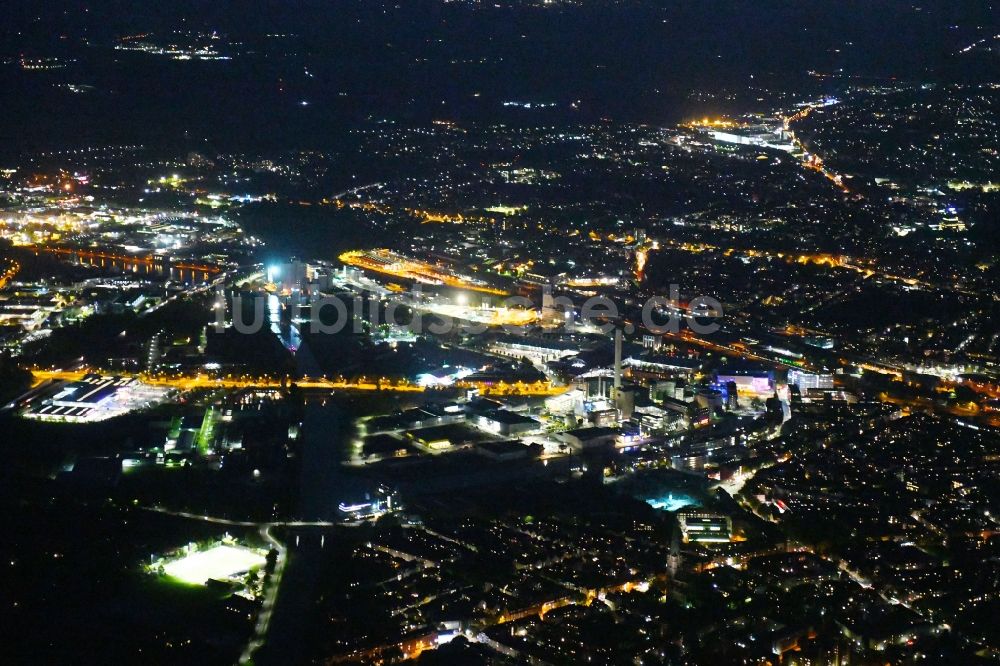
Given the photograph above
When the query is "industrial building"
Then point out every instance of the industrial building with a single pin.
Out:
(705, 527)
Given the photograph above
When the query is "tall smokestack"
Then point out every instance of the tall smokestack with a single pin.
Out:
(618, 362)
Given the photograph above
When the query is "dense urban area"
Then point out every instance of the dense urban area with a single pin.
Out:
(458, 333)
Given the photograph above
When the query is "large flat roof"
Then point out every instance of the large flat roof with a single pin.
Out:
(507, 417)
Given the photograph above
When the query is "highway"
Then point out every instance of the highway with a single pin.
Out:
(9, 274)
(273, 586)
(811, 160)
(239, 523)
(354, 190)
(203, 381)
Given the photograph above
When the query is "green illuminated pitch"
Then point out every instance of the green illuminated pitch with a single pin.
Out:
(219, 563)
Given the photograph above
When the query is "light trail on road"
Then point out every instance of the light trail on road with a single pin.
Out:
(202, 381)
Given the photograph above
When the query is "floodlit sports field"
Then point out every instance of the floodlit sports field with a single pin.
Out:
(218, 562)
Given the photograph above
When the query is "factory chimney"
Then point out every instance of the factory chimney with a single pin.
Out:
(618, 362)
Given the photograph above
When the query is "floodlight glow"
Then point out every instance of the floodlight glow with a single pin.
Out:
(351, 508)
(219, 562)
(669, 503)
(427, 379)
